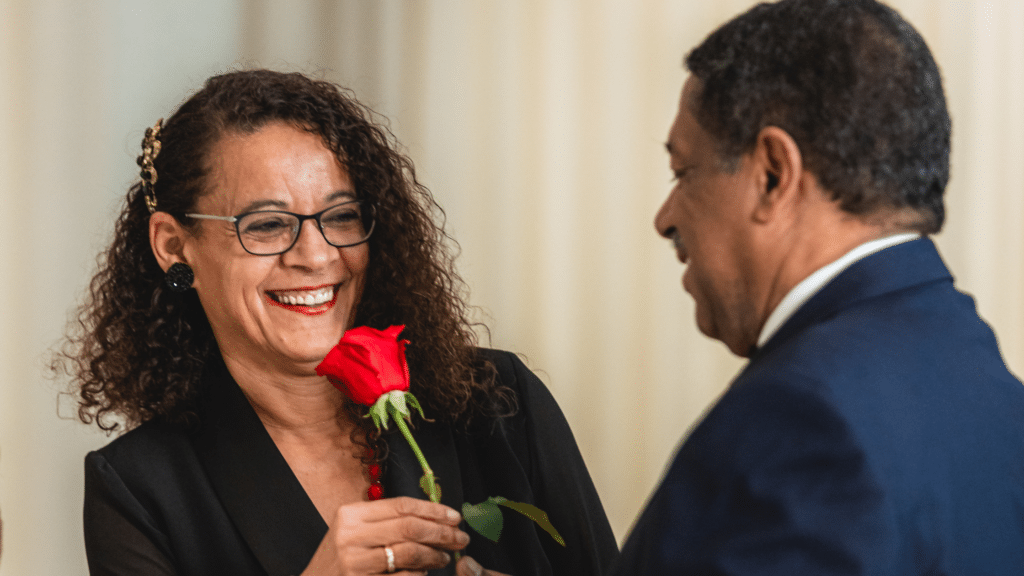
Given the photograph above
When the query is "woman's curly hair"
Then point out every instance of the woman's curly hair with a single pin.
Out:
(138, 349)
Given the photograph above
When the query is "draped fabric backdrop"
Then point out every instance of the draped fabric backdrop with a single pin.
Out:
(539, 126)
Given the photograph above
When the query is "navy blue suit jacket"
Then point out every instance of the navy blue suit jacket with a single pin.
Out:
(878, 432)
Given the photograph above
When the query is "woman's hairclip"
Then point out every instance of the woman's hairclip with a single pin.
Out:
(150, 149)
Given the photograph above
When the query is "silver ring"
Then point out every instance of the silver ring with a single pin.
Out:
(391, 558)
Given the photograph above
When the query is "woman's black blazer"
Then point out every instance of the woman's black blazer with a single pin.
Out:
(219, 499)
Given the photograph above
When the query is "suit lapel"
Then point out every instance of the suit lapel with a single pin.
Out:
(897, 268)
(257, 488)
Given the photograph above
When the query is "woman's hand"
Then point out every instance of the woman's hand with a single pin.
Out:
(469, 567)
(417, 532)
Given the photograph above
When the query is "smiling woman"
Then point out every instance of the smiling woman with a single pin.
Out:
(273, 215)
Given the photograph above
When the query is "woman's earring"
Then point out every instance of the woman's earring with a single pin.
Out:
(179, 277)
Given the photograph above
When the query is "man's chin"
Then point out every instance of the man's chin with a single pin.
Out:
(707, 327)
(736, 345)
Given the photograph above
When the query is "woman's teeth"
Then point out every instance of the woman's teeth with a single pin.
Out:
(315, 298)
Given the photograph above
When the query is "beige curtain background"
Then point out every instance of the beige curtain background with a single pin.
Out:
(539, 126)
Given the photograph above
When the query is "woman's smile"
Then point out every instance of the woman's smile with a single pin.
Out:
(311, 301)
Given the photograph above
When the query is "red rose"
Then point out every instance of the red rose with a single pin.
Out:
(367, 363)
(369, 366)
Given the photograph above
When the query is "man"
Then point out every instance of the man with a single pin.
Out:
(876, 429)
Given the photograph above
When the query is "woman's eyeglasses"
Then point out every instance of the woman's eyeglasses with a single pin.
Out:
(272, 232)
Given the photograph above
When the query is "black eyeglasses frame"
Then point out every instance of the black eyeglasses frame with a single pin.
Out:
(366, 211)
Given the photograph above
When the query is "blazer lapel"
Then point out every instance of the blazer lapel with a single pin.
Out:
(257, 488)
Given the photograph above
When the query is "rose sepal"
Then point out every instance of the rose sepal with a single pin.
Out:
(397, 400)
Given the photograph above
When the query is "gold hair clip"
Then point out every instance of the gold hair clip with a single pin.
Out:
(150, 150)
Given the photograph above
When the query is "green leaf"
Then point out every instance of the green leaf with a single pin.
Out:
(426, 485)
(533, 513)
(484, 517)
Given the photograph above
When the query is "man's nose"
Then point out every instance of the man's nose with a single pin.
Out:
(662, 222)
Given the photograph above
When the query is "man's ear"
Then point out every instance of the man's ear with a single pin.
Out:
(779, 171)
(167, 239)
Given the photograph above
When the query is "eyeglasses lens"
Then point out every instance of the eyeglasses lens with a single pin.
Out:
(267, 232)
(344, 225)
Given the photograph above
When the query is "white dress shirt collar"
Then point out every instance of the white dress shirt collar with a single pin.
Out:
(810, 286)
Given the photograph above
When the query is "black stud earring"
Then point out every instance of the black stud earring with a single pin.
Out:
(179, 277)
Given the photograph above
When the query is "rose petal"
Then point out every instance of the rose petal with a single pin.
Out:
(367, 363)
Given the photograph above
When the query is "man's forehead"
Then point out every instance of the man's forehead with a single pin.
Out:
(676, 143)
(691, 89)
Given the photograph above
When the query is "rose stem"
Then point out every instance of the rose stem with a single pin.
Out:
(419, 456)
(415, 448)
